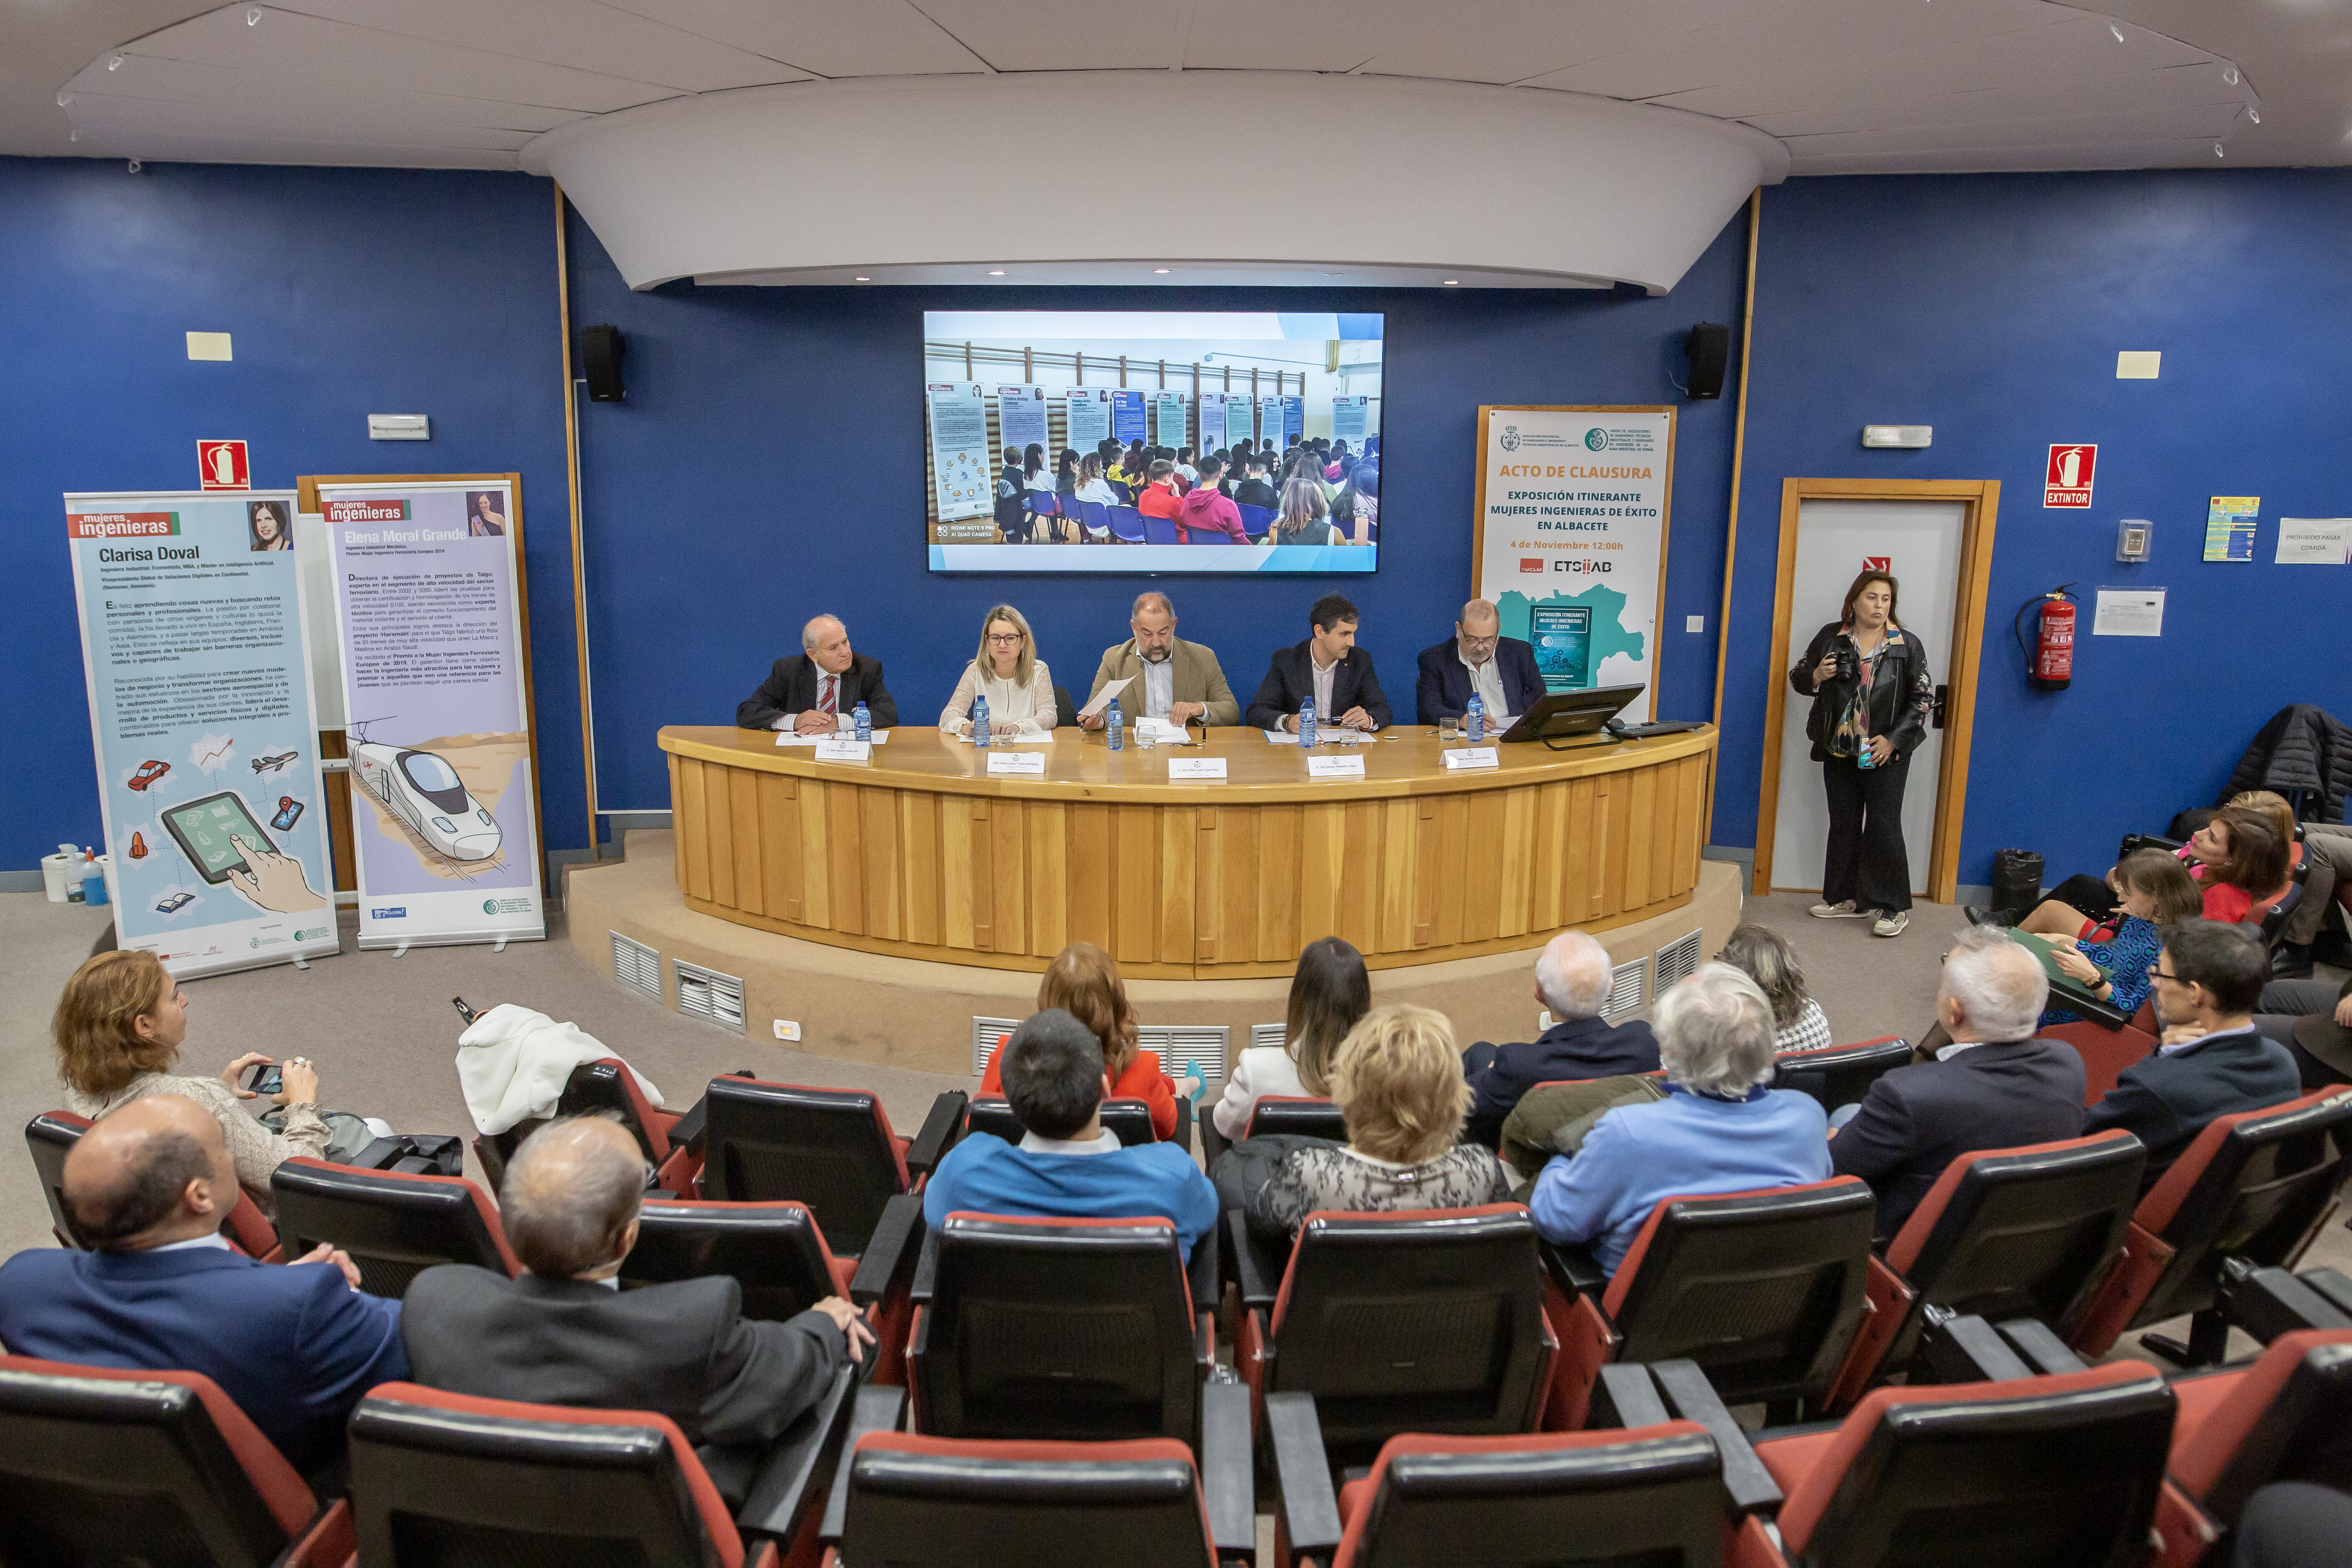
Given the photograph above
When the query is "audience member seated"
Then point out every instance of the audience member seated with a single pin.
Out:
(2239, 860)
(1329, 994)
(2294, 1524)
(565, 1332)
(1254, 491)
(119, 1026)
(1399, 1087)
(1764, 956)
(1065, 1165)
(2313, 1019)
(2154, 892)
(295, 1346)
(1993, 1086)
(2326, 850)
(1160, 496)
(1719, 1129)
(2211, 1060)
(1207, 510)
(1084, 982)
(1303, 517)
(1573, 980)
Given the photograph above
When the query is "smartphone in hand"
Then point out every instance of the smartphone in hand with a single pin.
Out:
(262, 1078)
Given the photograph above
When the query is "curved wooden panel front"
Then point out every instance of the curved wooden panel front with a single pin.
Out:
(924, 855)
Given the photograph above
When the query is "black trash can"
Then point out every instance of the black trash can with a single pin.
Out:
(2016, 883)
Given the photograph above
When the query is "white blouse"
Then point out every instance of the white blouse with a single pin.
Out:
(1031, 705)
(1258, 1071)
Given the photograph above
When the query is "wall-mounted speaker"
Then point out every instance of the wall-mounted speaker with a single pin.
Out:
(601, 349)
(1708, 349)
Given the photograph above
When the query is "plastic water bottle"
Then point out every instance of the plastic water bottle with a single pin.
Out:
(864, 721)
(1477, 719)
(1307, 723)
(979, 720)
(1112, 727)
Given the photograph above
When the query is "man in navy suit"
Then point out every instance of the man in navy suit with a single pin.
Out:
(1994, 1087)
(815, 690)
(1479, 659)
(294, 1347)
(1328, 668)
(1572, 981)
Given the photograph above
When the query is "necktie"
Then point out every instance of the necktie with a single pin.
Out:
(824, 703)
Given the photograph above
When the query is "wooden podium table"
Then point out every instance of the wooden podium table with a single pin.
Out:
(923, 854)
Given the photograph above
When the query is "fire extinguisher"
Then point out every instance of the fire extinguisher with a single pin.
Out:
(2050, 662)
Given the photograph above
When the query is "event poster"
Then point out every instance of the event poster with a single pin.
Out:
(428, 596)
(1573, 506)
(1087, 410)
(1021, 418)
(1294, 421)
(206, 736)
(1349, 418)
(1127, 415)
(1169, 425)
(1269, 421)
(1212, 421)
(963, 470)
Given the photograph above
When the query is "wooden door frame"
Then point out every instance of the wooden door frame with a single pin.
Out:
(1980, 505)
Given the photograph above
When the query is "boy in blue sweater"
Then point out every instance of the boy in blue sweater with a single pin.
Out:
(1066, 1167)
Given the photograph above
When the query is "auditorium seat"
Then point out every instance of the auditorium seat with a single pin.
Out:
(1296, 1114)
(1419, 1321)
(2107, 1051)
(1764, 1291)
(102, 1465)
(606, 1085)
(2040, 1472)
(774, 1250)
(1159, 529)
(1256, 521)
(1130, 1120)
(1059, 1329)
(1126, 522)
(394, 1225)
(50, 1137)
(2255, 1185)
(1840, 1075)
(2284, 1416)
(831, 1148)
(2025, 1232)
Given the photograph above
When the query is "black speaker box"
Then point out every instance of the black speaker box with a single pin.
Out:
(1708, 348)
(601, 349)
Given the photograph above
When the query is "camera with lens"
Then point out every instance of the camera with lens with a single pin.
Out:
(1849, 662)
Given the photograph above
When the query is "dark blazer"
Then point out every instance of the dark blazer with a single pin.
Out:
(2166, 1100)
(1444, 689)
(1290, 681)
(292, 1345)
(683, 1349)
(790, 688)
(1580, 1048)
(1917, 1119)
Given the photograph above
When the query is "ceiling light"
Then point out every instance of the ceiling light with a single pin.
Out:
(2229, 75)
(2118, 32)
(2217, 151)
(998, 272)
(2253, 114)
(73, 135)
(1160, 269)
(253, 17)
(865, 279)
(1453, 282)
(63, 98)
(114, 62)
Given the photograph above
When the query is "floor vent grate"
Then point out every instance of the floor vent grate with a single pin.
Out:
(1676, 960)
(706, 994)
(1626, 994)
(636, 966)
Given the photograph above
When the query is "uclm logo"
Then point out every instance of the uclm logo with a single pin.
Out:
(394, 912)
(1530, 564)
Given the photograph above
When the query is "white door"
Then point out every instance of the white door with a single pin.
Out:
(1919, 542)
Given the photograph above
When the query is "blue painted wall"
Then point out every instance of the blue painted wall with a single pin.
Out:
(1992, 308)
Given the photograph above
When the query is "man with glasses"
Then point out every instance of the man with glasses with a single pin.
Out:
(2211, 1061)
(1167, 677)
(1477, 659)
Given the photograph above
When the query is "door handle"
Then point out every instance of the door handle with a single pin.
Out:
(1937, 713)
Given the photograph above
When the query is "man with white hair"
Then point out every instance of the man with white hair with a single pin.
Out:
(1167, 677)
(1719, 1129)
(1573, 980)
(816, 691)
(1994, 1087)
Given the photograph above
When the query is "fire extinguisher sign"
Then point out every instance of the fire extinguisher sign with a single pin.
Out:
(2068, 482)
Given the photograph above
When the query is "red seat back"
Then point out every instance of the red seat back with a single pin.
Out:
(1138, 1504)
(2288, 1417)
(51, 1136)
(395, 1225)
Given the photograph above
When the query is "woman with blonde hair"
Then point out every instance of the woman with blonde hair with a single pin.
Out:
(1764, 956)
(119, 1028)
(1084, 982)
(1398, 1082)
(1306, 516)
(1329, 994)
(1008, 672)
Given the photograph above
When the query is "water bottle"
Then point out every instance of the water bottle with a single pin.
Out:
(864, 721)
(1477, 719)
(1111, 722)
(1307, 723)
(979, 720)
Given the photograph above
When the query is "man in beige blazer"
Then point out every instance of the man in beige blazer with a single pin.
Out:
(1169, 677)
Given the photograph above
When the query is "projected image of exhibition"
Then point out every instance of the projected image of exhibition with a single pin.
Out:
(1151, 441)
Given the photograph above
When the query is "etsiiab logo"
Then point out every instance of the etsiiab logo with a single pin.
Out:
(391, 912)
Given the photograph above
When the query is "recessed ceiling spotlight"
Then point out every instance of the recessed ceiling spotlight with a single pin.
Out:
(1160, 269)
(2229, 75)
(114, 62)
(1453, 282)
(2253, 114)
(2217, 151)
(997, 273)
(2118, 32)
(865, 279)
(253, 16)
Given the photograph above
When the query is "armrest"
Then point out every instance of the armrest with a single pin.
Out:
(938, 1135)
(2033, 1340)
(1206, 1278)
(1257, 1275)
(1573, 1270)
(878, 1409)
(1694, 1398)
(1182, 1137)
(2268, 1302)
(686, 1133)
(1310, 1510)
(927, 1268)
(1625, 1396)
(890, 1250)
(1228, 1472)
(1959, 1348)
(798, 1467)
(2331, 1284)
(1213, 1143)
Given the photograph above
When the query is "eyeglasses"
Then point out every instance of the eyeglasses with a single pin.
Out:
(1006, 638)
(2156, 972)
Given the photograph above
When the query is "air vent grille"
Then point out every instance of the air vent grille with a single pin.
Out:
(1676, 960)
(1265, 1035)
(1182, 1048)
(984, 1035)
(706, 994)
(636, 966)
(1626, 996)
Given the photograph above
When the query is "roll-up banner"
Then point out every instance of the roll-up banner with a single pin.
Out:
(207, 739)
(429, 595)
(1570, 539)
(1269, 423)
(1169, 419)
(1212, 421)
(1088, 413)
(1127, 414)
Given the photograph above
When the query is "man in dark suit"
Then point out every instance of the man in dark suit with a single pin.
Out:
(1572, 981)
(2211, 1061)
(813, 691)
(1328, 668)
(1479, 659)
(1994, 1087)
(294, 1347)
(565, 1333)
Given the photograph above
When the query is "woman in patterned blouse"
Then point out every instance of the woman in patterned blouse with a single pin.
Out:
(2154, 890)
(1764, 956)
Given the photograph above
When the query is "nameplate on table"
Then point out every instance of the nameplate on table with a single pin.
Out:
(1350, 767)
(1196, 767)
(839, 749)
(1472, 757)
(1032, 762)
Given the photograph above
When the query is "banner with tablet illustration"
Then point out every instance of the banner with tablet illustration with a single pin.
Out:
(430, 603)
(194, 656)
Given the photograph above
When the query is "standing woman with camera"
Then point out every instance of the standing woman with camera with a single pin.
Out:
(1871, 689)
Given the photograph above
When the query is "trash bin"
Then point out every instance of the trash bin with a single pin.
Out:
(2016, 883)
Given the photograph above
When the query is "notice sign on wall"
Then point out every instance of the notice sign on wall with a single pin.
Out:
(428, 589)
(1573, 506)
(207, 739)
(2067, 481)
